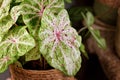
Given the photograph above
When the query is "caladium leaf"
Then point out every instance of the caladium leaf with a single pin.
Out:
(4, 8)
(6, 21)
(96, 35)
(16, 12)
(17, 1)
(5, 24)
(17, 42)
(89, 21)
(89, 18)
(33, 54)
(5, 61)
(82, 49)
(59, 42)
(1, 2)
(33, 10)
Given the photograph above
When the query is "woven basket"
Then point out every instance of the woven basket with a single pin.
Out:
(107, 57)
(111, 3)
(18, 73)
(117, 35)
(104, 12)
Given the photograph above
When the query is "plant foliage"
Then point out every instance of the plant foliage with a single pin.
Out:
(60, 42)
(44, 29)
(89, 21)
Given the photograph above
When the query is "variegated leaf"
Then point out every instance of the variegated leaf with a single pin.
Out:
(33, 10)
(16, 12)
(17, 1)
(5, 61)
(6, 20)
(5, 24)
(17, 42)
(4, 8)
(59, 42)
(1, 2)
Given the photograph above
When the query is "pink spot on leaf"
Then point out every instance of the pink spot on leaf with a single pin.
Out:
(13, 40)
(5, 58)
(57, 35)
(41, 11)
(72, 40)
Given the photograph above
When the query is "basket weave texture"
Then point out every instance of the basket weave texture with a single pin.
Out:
(111, 3)
(107, 57)
(18, 73)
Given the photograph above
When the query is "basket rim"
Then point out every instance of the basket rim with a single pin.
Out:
(51, 74)
(13, 66)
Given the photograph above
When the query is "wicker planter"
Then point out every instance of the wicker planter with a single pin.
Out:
(18, 73)
(111, 3)
(105, 12)
(117, 35)
(107, 58)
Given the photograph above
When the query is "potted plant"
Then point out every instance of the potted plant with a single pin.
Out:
(30, 29)
(40, 30)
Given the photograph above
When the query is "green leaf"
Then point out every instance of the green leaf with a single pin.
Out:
(1, 2)
(68, 1)
(33, 54)
(59, 42)
(16, 12)
(100, 41)
(5, 24)
(82, 49)
(17, 1)
(89, 18)
(17, 42)
(89, 21)
(5, 61)
(4, 9)
(75, 12)
(33, 10)
(6, 20)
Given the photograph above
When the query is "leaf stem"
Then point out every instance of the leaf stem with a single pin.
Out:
(80, 30)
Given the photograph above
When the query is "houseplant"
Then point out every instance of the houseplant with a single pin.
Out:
(32, 28)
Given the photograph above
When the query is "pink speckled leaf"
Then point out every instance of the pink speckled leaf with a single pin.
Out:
(59, 42)
(33, 10)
